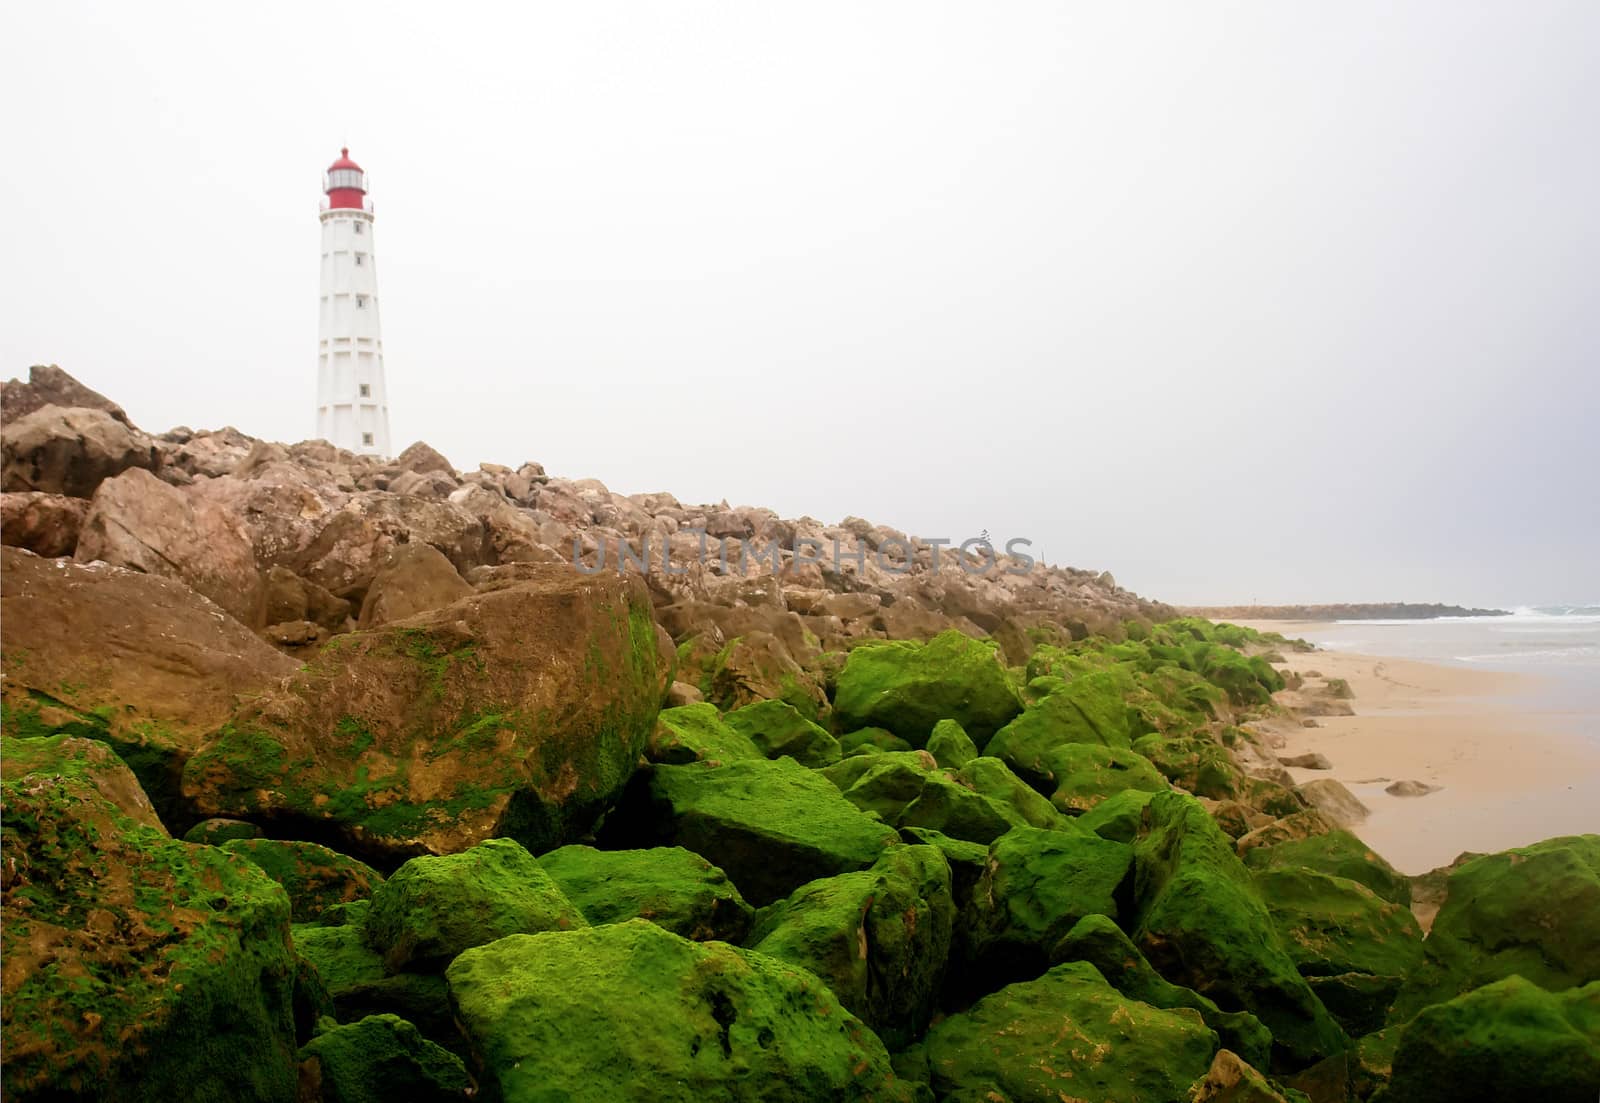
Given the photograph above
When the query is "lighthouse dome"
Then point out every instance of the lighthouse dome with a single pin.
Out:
(347, 184)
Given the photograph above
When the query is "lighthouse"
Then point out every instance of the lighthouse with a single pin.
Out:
(352, 401)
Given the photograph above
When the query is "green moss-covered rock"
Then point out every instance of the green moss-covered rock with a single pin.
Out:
(909, 687)
(1201, 923)
(770, 825)
(1091, 708)
(314, 876)
(1081, 775)
(1528, 911)
(1231, 1079)
(950, 745)
(218, 830)
(878, 938)
(136, 967)
(87, 760)
(380, 1059)
(864, 741)
(1340, 854)
(1120, 816)
(1333, 925)
(519, 712)
(632, 1011)
(1036, 885)
(994, 779)
(435, 907)
(777, 729)
(1194, 763)
(1067, 1036)
(1099, 941)
(697, 733)
(1508, 1040)
(353, 975)
(670, 886)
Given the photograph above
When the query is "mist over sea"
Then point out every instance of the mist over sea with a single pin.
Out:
(1560, 644)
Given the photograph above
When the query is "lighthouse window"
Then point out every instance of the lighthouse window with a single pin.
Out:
(361, 227)
(366, 390)
(361, 258)
(366, 438)
(361, 302)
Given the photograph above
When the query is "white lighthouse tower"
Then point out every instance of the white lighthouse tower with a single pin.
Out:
(352, 401)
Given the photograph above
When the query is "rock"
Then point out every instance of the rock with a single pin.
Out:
(1334, 801)
(1527, 911)
(1067, 1035)
(291, 599)
(758, 667)
(703, 1020)
(989, 777)
(1035, 887)
(216, 831)
(1083, 775)
(45, 524)
(1340, 854)
(1507, 1040)
(315, 877)
(1410, 788)
(682, 693)
(353, 541)
(1120, 816)
(520, 712)
(870, 741)
(415, 578)
(901, 789)
(777, 729)
(1088, 710)
(48, 385)
(422, 459)
(1097, 940)
(435, 907)
(697, 733)
(1299, 825)
(672, 887)
(1196, 764)
(133, 961)
(770, 825)
(1201, 922)
(879, 938)
(908, 687)
(293, 634)
(1231, 1080)
(71, 451)
(143, 663)
(138, 521)
(86, 760)
(355, 979)
(950, 745)
(1311, 760)
(380, 1059)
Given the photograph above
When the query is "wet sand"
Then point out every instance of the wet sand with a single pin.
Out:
(1512, 766)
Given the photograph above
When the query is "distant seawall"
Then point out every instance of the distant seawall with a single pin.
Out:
(1391, 610)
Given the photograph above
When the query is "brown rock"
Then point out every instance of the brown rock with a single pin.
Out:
(89, 759)
(1334, 801)
(1311, 760)
(45, 524)
(1300, 825)
(422, 459)
(682, 693)
(48, 385)
(291, 598)
(415, 578)
(521, 712)
(71, 450)
(142, 662)
(138, 521)
(354, 543)
(1410, 788)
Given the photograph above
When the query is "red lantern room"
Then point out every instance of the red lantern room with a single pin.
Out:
(347, 184)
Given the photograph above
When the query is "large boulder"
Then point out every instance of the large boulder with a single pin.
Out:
(136, 967)
(356, 981)
(672, 887)
(315, 877)
(138, 521)
(520, 712)
(86, 760)
(1067, 1036)
(48, 385)
(45, 524)
(879, 938)
(697, 732)
(1339, 854)
(907, 688)
(778, 729)
(352, 543)
(144, 663)
(1528, 911)
(632, 1011)
(71, 451)
(1089, 709)
(435, 907)
(770, 825)
(1202, 923)
(1507, 1040)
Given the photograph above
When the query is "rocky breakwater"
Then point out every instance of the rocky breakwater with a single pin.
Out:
(444, 817)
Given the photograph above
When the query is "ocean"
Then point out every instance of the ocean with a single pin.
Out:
(1560, 644)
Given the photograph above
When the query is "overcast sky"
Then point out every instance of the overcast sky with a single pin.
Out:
(1270, 301)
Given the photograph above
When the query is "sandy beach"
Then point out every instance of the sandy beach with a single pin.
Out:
(1511, 763)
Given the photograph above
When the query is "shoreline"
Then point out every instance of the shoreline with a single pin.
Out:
(1510, 764)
